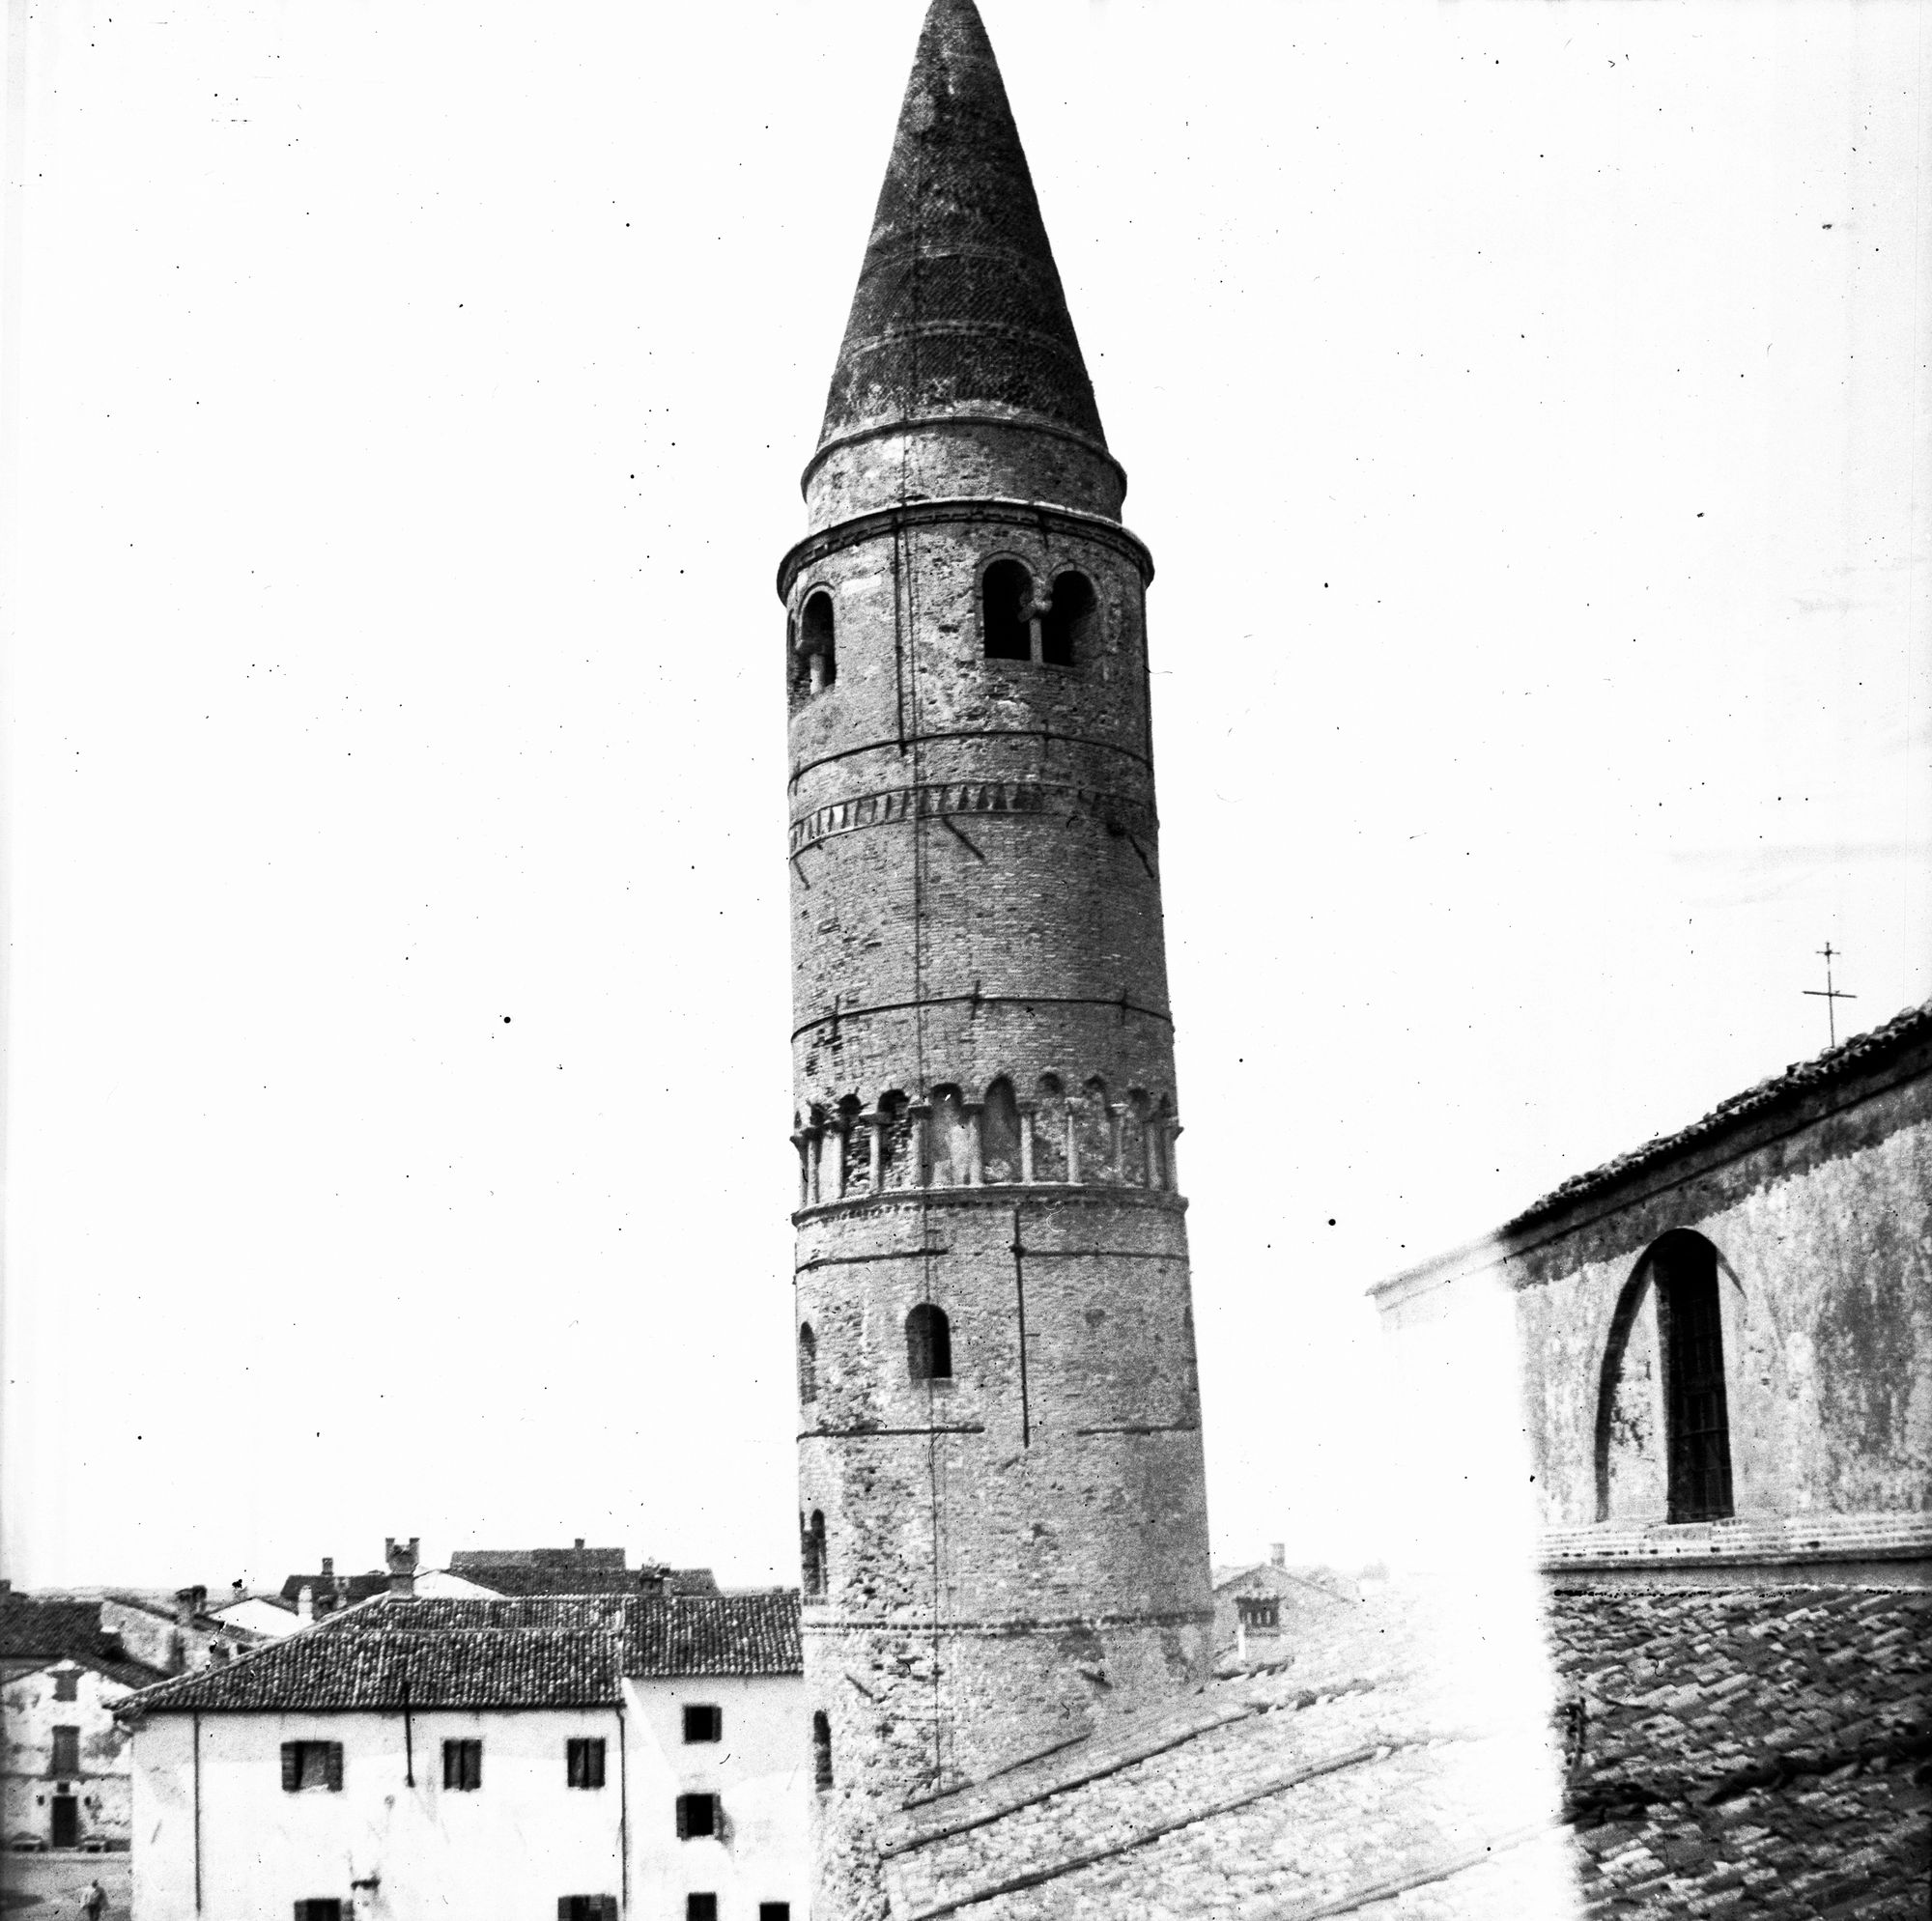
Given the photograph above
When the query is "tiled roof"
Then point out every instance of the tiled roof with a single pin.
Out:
(1910, 1028)
(565, 1570)
(1761, 1752)
(513, 1654)
(324, 1587)
(1756, 1754)
(959, 307)
(36, 1632)
(1377, 1771)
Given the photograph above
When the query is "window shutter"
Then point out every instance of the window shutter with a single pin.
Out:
(564, 1907)
(291, 1780)
(597, 1764)
(684, 1816)
(334, 1766)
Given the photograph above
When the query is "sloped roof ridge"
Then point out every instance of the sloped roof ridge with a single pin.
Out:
(1823, 1070)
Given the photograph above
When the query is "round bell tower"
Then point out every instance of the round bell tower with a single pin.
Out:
(1002, 1511)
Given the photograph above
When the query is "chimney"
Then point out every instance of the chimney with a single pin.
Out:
(1277, 1554)
(188, 1602)
(578, 1545)
(402, 1567)
(306, 1605)
(328, 1568)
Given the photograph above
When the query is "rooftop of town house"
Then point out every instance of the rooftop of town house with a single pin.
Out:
(506, 1654)
(573, 1571)
(37, 1633)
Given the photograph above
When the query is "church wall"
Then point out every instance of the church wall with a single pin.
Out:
(1822, 1223)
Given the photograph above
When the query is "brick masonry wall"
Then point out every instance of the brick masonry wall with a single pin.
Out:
(975, 872)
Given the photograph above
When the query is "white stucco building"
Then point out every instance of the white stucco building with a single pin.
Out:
(583, 1757)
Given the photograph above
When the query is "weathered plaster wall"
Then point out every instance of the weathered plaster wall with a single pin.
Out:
(30, 1711)
(1823, 1229)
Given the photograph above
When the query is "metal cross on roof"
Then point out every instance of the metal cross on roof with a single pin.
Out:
(1830, 995)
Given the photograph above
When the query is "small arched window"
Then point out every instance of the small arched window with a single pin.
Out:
(817, 644)
(821, 1750)
(1066, 627)
(807, 1364)
(812, 1553)
(928, 1343)
(1005, 612)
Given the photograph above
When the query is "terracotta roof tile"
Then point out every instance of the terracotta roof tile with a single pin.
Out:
(529, 1652)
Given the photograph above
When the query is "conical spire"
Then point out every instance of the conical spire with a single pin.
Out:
(959, 307)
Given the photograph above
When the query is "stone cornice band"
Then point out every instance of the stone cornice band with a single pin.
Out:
(1037, 514)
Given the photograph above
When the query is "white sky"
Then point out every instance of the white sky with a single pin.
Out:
(1527, 407)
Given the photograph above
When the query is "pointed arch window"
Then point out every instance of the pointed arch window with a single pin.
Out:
(928, 1343)
(1005, 612)
(807, 1365)
(1066, 627)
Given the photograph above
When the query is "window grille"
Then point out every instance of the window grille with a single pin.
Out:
(1258, 1611)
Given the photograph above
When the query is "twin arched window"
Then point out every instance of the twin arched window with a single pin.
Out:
(1054, 628)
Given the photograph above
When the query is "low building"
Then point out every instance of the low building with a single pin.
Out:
(1255, 1606)
(597, 1756)
(64, 1771)
(175, 1632)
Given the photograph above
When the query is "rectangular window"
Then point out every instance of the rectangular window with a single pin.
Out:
(700, 1908)
(587, 1908)
(67, 1685)
(699, 1815)
(773, 1911)
(463, 1764)
(326, 1908)
(311, 1765)
(584, 1763)
(704, 1724)
(66, 1751)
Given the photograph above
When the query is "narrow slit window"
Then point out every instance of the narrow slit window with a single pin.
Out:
(1005, 612)
(1066, 627)
(807, 1365)
(821, 1750)
(811, 1541)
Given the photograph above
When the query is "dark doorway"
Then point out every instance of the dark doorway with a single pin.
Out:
(67, 1821)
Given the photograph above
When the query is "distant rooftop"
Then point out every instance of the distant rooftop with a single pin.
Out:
(573, 1571)
(508, 1654)
(36, 1632)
